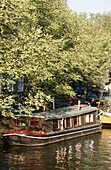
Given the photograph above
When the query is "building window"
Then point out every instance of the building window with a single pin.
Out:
(20, 84)
(0, 83)
(20, 122)
(34, 123)
(10, 85)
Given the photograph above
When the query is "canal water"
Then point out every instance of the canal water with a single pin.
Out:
(85, 153)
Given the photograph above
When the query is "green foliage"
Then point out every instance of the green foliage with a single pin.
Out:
(48, 45)
(105, 102)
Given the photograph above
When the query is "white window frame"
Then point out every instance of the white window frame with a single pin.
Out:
(89, 118)
(79, 120)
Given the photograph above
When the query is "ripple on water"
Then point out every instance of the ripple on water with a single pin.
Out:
(88, 152)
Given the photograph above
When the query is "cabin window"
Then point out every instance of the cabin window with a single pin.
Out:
(20, 122)
(67, 122)
(34, 123)
(56, 124)
(74, 120)
(89, 118)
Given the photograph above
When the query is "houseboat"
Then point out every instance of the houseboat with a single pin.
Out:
(44, 128)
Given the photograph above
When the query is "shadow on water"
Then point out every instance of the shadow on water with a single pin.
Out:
(88, 152)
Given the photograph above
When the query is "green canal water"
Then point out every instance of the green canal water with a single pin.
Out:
(85, 153)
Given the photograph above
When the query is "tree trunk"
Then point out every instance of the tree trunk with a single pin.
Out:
(85, 90)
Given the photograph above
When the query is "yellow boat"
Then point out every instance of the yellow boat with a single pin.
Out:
(105, 118)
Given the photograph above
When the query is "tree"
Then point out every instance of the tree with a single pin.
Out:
(28, 50)
(91, 49)
(50, 47)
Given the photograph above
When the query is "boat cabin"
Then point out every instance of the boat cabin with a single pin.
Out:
(55, 120)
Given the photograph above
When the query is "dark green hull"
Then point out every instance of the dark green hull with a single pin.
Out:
(39, 140)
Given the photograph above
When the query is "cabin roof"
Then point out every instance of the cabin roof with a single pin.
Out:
(60, 113)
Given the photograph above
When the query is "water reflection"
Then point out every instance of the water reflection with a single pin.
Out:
(89, 152)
